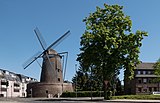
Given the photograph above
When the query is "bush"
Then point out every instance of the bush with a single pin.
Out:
(82, 94)
(144, 97)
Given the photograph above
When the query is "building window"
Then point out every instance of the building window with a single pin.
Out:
(150, 89)
(16, 85)
(3, 89)
(16, 90)
(144, 80)
(149, 72)
(155, 89)
(139, 89)
(3, 82)
(149, 81)
(144, 72)
(144, 90)
(139, 72)
(139, 81)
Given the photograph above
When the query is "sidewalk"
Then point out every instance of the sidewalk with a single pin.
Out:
(77, 100)
(99, 99)
(133, 101)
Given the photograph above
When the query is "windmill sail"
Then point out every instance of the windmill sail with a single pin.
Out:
(32, 59)
(54, 44)
(40, 38)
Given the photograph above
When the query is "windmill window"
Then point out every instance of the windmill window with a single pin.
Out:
(58, 70)
(59, 79)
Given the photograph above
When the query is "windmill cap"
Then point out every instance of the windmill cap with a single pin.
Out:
(51, 51)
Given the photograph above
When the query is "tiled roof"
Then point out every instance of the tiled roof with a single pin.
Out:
(145, 66)
(17, 77)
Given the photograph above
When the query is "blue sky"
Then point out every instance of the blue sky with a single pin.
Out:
(18, 18)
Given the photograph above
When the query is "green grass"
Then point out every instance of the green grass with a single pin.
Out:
(140, 97)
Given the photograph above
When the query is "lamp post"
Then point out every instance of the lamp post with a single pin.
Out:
(91, 83)
(76, 79)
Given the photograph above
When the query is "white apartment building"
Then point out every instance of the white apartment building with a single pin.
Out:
(13, 85)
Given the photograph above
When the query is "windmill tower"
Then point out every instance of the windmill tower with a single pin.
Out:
(51, 80)
(52, 68)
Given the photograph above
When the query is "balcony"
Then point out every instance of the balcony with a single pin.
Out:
(146, 75)
(147, 85)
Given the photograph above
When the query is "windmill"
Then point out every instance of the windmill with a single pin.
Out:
(51, 66)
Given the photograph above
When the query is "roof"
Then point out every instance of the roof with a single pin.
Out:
(145, 66)
(13, 76)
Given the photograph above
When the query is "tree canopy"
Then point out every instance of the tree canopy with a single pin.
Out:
(156, 67)
(108, 44)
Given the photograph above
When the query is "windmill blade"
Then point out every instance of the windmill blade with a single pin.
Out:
(65, 64)
(54, 44)
(49, 61)
(32, 59)
(63, 53)
(40, 38)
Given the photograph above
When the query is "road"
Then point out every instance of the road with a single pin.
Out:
(71, 100)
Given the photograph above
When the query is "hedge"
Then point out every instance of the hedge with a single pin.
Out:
(82, 94)
(140, 97)
(100, 94)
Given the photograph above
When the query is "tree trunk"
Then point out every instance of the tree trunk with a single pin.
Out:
(107, 92)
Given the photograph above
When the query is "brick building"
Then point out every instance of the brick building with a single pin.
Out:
(13, 85)
(143, 82)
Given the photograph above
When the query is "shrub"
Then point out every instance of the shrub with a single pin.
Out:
(82, 94)
(144, 97)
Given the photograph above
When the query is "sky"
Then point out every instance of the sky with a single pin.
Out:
(18, 19)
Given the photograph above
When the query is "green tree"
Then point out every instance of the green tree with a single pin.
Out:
(84, 81)
(81, 80)
(108, 44)
(156, 67)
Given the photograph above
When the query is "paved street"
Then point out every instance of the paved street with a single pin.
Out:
(71, 100)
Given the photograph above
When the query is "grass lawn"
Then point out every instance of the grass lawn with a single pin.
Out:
(141, 97)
